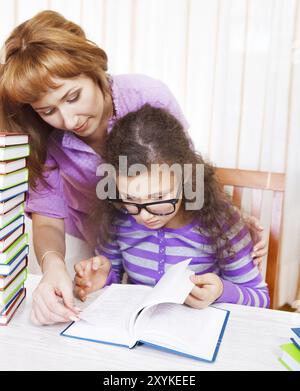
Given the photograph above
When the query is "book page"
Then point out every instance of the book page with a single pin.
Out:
(181, 328)
(174, 287)
(107, 318)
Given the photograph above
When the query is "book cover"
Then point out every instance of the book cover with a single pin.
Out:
(7, 315)
(290, 357)
(7, 293)
(13, 178)
(17, 222)
(10, 216)
(128, 315)
(12, 165)
(8, 268)
(13, 249)
(296, 335)
(10, 238)
(13, 191)
(11, 203)
(6, 280)
(4, 307)
(295, 343)
(12, 138)
(14, 152)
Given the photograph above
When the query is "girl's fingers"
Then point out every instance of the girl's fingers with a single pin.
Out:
(83, 282)
(195, 303)
(199, 293)
(97, 263)
(79, 269)
(80, 293)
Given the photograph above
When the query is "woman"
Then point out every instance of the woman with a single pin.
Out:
(54, 86)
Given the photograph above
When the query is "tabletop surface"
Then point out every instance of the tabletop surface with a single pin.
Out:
(251, 342)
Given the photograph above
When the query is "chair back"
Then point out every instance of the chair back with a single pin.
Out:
(258, 183)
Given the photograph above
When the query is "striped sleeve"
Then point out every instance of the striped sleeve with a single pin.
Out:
(242, 281)
(113, 253)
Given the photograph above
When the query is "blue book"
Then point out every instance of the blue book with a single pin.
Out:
(129, 315)
(296, 337)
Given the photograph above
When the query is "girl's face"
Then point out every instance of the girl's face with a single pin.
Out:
(77, 105)
(147, 188)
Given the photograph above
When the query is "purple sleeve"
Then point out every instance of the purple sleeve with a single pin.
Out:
(242, 281)
(48, 198)
(165, 99)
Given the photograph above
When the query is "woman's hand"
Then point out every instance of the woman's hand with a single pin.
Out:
(208, 288)
(260, 245)
(52, 300)
(91, 275)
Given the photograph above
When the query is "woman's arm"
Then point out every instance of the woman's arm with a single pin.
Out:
(53, 297)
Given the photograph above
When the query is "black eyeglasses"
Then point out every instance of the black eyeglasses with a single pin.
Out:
(157, 208)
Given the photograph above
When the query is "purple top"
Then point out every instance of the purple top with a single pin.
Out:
(72, 190)
(145, 254)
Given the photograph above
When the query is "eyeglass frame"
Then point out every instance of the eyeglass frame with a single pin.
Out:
(172, 201)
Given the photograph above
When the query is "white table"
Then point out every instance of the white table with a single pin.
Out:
(250, 342)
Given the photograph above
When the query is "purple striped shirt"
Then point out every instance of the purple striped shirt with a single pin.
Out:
(145, 254)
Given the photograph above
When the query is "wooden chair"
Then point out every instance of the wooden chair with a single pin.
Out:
(258, 182)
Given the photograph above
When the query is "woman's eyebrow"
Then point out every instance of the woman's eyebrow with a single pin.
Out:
(61, 99)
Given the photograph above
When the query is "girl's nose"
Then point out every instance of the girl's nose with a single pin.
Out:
(145, 215)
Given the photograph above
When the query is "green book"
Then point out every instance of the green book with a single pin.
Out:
(7, 255)
(290, 357)
(13, 178)
(14, 152)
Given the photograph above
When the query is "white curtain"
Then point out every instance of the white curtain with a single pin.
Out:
(234, 67)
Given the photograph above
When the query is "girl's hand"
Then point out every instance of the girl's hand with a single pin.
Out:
(260, 245)
(91, 275)
(208, 289)
(52, 300)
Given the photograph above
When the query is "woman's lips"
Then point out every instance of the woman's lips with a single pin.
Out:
(82, 127)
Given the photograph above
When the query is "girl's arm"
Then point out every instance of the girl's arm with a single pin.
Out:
(242, 281)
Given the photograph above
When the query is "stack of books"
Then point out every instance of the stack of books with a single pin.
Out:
(14, 149)
(290, 357)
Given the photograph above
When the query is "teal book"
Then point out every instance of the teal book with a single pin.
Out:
(129, 315)
(290, 357)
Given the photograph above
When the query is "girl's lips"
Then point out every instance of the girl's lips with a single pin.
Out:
(152, 223)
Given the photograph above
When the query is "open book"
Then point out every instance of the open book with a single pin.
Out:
(126, 315)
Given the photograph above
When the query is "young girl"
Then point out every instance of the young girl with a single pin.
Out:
(149, 226)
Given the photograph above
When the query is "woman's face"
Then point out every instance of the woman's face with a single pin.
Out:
(77, 105)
